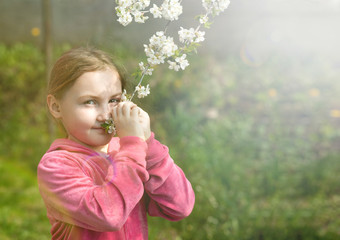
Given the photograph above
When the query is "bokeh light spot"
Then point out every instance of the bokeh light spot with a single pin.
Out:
(272, 92)
(335, 113)
(314, 92)
(35, 32)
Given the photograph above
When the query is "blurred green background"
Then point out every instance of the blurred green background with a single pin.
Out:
(256, 131)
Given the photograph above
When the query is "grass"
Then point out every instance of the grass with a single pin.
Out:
(22, 211)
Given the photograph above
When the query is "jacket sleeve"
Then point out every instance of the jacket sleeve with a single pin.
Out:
(170, 192)
(73, 197)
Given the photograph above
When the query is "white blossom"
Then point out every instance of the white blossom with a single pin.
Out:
(190, 35)
(215, 6)
(127, 8)
(157, 39)
(199, 36)
(120, 10)
(147, 71)
(153, 57)
(141, 4)
(139, 17)
(109, 126)
(160, 47)
(155, 11)
(204, 19)
(142, 91)
(124, 17)
(186, 35)
(124, 3)
(182, 61)
(125, 20)
(171, 9)
(173, 65)
(123, 98)
(169, 47)
(224, 4)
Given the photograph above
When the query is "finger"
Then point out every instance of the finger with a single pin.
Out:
(126, 109)
(134, 112)
(110, 110)
(114, 114)
(141, 112)
(119, 110)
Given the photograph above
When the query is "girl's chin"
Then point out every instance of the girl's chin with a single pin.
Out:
(96, 143)
(102, 139)
(99, 146)
(96, 139)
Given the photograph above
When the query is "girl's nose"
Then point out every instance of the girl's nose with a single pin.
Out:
(104, 114)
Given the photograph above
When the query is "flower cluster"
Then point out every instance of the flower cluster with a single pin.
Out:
(189, 36)
(215, 7)
(162, 48)
(127, 10)
(109, 126)
(143, 91)
(158, 50)
(169, 10)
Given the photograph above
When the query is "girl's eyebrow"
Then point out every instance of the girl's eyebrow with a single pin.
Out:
(88, 96)
(117, 94)
(95, 96)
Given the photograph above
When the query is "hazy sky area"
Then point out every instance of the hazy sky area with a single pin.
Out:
(249, 28)
(290, 26)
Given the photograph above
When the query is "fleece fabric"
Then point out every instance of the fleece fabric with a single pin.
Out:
(93, 196)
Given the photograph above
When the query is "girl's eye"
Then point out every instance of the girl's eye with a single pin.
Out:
(114, 100)
(90, 102)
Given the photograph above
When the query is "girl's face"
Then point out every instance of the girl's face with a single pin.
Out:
(87, 104)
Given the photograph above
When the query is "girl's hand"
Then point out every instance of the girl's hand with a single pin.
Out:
(144, 120)
(125, 117)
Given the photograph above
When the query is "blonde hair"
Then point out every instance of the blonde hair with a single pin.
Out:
(75, 62)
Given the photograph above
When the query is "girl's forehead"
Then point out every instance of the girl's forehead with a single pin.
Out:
(98, 82)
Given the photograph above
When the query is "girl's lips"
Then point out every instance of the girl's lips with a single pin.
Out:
(99, 128)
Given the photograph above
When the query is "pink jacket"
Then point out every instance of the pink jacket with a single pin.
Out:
(105, 197)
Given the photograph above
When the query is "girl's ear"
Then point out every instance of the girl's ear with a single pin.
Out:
(54, 106)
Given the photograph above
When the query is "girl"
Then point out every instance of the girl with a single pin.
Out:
(95, 185)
